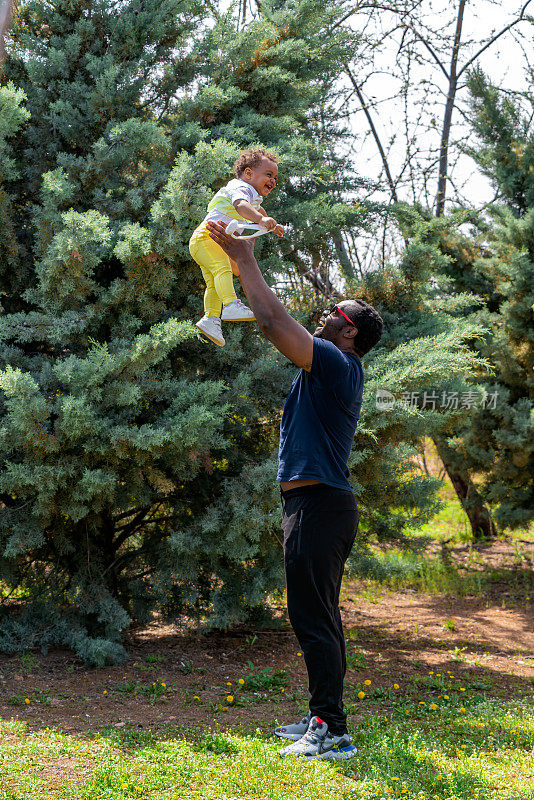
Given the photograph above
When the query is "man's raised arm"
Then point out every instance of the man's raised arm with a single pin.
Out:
(287, 335)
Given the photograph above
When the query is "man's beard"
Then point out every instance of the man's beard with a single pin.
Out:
(325, 332)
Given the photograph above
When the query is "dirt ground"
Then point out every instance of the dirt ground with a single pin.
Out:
(396, 636)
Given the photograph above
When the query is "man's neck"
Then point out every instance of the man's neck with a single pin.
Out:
(349, 350)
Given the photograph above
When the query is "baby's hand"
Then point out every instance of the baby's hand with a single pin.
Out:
(272, 225)
(268, 222)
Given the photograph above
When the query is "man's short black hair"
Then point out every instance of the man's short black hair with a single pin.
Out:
(369, 323)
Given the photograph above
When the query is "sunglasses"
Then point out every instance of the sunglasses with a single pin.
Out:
(337, 308)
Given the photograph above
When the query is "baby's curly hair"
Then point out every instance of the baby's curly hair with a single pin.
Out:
(252, 158)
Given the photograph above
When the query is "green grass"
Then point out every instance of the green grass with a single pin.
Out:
(434, 571)
(404, 751)
(396, 570)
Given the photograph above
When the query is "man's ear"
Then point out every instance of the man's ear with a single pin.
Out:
(350, 332)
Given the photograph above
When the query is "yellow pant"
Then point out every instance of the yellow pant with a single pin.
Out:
(216, 270)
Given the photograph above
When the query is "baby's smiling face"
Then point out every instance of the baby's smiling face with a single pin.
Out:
(263, 177)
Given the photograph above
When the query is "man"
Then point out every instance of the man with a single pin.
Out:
(320, 516)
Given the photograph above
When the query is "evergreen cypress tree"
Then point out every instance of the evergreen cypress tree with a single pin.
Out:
(138, 461)
(424, 360)
(499, 442)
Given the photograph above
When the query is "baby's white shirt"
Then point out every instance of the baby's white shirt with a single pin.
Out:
(221, 207)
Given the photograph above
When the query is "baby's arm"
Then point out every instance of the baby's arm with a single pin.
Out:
(258, 216)
(278, 229)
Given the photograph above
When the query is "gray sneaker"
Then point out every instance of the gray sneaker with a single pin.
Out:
(211, 327)
(318, 743)
(236, 311)
(295, 731)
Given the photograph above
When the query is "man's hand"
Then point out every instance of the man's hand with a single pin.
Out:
(287, 335)
(237, 249)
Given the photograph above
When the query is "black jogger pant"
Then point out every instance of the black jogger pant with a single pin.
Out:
(319, 525)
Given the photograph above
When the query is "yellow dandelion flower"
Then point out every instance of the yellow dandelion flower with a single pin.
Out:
(462, 688)
(433, 706)
(299, 654)
(164, 685)
(367, 682)
(229, 699)
(438, 674)
(224, 708)
(462, 711)
(422, 703)
(196, 697)
(403, 791)
(396, 686)
(27, 701)
(463, 746)
(386, 719)
(241, 681)
(439, 777)
(431, 672)
(445, 696)
(361, 695)
(124, 785)
(394, 778)
(228, 683)
(105, 691)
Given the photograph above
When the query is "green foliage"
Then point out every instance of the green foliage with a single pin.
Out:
(138, 461)
(260, 679)
(425, 348)
(498, 442)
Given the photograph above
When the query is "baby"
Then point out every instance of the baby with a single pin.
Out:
(256, 171)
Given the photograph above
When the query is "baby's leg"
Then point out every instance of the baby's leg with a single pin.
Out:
(212, 304)
(224, 282)
(215, 266)
(235, 268)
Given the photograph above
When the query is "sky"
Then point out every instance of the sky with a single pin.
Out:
(504, 62)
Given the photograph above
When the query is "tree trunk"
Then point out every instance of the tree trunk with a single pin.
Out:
(482, 525)
(449, 106)
(344, 259)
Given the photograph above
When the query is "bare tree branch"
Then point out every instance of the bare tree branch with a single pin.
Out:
(447, 119)
(374, 132)
(520, 18)
(430, 49)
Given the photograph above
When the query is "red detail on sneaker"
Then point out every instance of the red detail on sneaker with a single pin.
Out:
(319, 720)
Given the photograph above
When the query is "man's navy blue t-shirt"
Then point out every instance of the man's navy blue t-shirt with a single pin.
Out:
(320, 418)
